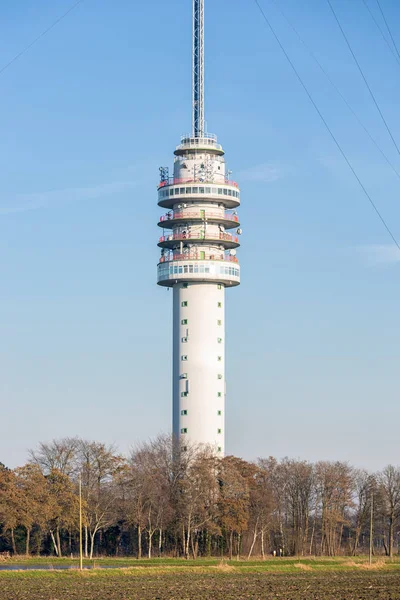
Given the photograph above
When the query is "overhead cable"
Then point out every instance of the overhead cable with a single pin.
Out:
(311, 53)
(388, 28)
(363, 76)
(381, 32)
(342, 152)
(17, 56)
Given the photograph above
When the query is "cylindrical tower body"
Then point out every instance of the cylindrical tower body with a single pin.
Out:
(199, 363)
(198, 260)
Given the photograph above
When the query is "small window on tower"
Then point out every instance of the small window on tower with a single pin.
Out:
(219, 430)
(219, 449)
(184, 340)
(219, 358)
(183, 412)
(184, 357)
(219, 340)
(184, 303)
(184, 322)
(219, 376)
(184, 394)
(219, 286)
(219, 394)
(219, 413)
(219, 304)
(184, 430)
(184, 376)
(219, 322)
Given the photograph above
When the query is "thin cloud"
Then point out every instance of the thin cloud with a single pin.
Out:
(28, 202)
(381, 254)
(266, 173)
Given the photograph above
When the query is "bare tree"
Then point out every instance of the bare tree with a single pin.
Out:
(58, 455)
(389, 482)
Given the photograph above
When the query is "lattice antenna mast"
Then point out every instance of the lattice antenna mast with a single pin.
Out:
(198, 68)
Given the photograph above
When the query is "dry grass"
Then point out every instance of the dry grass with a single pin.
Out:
(223, 567)
(302, 566)
(375, 566)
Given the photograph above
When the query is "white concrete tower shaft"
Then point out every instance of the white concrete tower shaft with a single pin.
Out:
(198, 260)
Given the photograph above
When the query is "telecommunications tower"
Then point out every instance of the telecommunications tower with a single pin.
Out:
(198, 260)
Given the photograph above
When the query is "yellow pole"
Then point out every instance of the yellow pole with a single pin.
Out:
(80, 525)
(371, 529)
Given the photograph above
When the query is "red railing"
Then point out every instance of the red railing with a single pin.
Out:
(207, 214)
(199, 236)
(178, 181)
(171, 257)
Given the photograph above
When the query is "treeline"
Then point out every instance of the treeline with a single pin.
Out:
(167, 501)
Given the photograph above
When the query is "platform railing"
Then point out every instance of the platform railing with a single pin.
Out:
(178, 181)
(227, 237)
(194, 256)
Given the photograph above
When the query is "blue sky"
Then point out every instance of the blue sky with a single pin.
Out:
(88, 115)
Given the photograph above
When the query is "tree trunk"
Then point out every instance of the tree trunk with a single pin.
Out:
(58, 541)
(92, 538)
(262, 544)
(255, 534)
(231, 545)
(139, 542)
(239, 539)
(391, 532)
(150, 543)
(28, 537)
(160, 542)
(86, 541)
(14, 548)
(54, 542)
(356, 540)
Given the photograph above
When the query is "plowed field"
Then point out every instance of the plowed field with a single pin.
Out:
(189, 585)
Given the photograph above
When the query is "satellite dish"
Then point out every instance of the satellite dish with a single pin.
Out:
(185, 206)
(239, 231)
(179, 205)
(232, 252)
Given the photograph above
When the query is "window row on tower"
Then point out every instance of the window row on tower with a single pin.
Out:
(184, 413)
(168, 192)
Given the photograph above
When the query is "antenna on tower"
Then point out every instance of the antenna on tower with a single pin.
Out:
(198, 68)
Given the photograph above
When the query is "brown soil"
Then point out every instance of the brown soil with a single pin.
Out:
(191, 586)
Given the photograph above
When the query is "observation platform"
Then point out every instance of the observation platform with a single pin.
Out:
(183, 268)
(227, 240)
(208, 142)
(169, 220)
(172, 191)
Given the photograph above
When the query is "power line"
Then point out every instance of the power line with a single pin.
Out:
(380, 29)
(17, 56)
(363, 76)
(337, 90)
(388, 28)
(342, 152)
